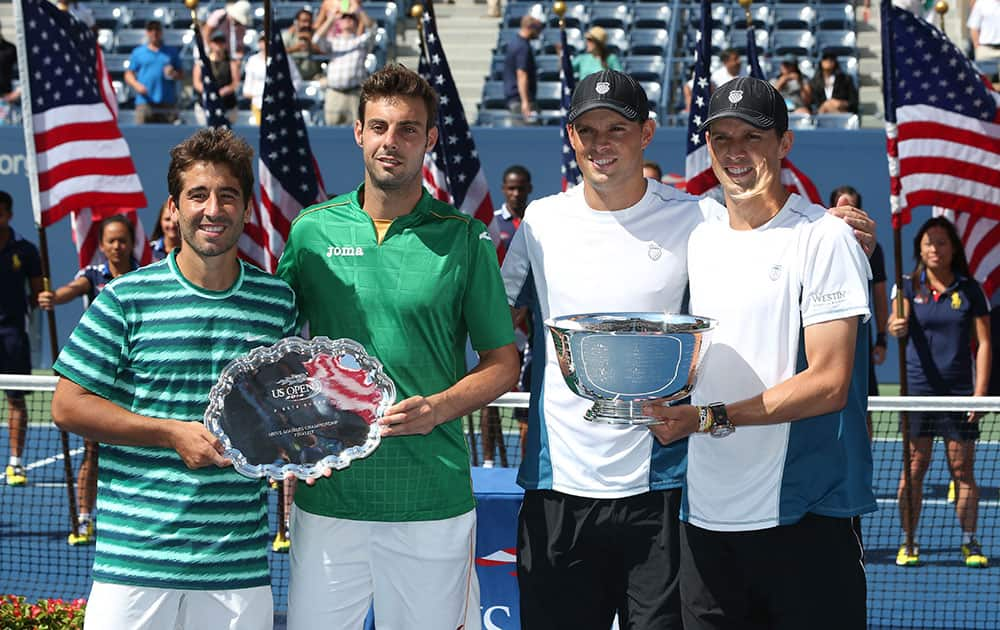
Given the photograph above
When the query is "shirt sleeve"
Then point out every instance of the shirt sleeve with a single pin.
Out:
(614, 63)
(517, 266)
(835, 274)
(486, 313)
(97, 349)
(33, 264)
(979, 304)
(288, 270)
(877, 262)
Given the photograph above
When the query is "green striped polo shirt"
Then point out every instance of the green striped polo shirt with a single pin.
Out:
(154, 343)
(411, 301)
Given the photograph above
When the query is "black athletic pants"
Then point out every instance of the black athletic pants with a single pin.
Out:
(806, 575)
(580, 561)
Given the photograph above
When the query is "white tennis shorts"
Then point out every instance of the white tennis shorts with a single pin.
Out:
(420, 574)
(141, 608)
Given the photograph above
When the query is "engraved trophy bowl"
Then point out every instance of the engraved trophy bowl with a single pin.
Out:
(622, 361)
(299, 407)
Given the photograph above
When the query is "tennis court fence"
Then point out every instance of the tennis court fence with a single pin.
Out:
(939, 592)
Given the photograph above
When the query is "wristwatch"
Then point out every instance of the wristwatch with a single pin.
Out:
(714, 419)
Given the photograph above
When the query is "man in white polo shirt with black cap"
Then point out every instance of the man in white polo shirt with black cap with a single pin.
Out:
(780, 460)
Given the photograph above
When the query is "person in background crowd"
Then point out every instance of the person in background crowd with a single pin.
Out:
(79, 11)
(298, 40)
(348, 45)
(255, 75)
(9, 95)
(165, 237)
(833, 91)
(506, 219)
(397, 528)
(233, 20)
(153, 72)
(226, 71)
(944, 313)
(652, 170)
(596, 57)
(20, 284)
(520, 73)
(732, 67)
(984, 29)
(167, 330)
(792, 86)
(117, 240)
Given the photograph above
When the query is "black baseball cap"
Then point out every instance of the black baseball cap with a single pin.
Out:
(753, 101)
(609, 89)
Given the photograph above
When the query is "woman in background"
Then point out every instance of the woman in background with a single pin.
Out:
(944, 313)
(596, 57)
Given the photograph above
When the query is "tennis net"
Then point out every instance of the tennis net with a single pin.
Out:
(938, 592)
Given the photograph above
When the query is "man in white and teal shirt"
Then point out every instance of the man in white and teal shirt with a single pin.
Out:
(183, 537)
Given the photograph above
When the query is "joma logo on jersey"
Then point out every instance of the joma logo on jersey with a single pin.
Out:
(333, 250)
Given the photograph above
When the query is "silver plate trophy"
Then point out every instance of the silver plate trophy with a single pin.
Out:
(299, 407)
(622, 361)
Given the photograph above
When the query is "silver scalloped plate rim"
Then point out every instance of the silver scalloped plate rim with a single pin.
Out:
(271, 354)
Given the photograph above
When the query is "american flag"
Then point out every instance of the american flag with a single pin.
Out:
(570, 170)
(289, 177)
(941, 120)
(211, 102)
(698, 166)
(71, 133)
(452, 171)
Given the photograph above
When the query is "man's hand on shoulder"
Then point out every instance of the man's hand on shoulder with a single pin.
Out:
(414, 416)
(196, 445)
(858, 220)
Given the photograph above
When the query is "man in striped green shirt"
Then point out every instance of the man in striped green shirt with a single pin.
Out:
(183, 537)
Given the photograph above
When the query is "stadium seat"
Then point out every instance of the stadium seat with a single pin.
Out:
(761, 16)
(720, 40)
(800, 121)
(576, 16)
(645, 67)
(835, 17)
(496, 118)
(106, 39)
(108, 16)
(139, 14)
(648, 16)
(840, 43)
(792, 17)
(837, 121)
(386, 14)
(654, 92)
(550, 40)
(180, 38)
(738, 40)
(610, 16)
(116, 65)
(493, 97)
(127, 39)
(801, 43)
(649, 41)
(547, 67)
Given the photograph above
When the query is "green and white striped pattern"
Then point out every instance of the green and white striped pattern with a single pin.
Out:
(155, 344)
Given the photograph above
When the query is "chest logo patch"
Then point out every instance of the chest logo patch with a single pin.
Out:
(654, 251)
(15, 262)
(335, 250)
(956, 301)
(774, 272)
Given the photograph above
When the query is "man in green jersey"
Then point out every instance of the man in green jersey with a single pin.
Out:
(183, 537)
(410, 278)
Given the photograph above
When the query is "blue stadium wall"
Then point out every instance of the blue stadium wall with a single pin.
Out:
(829, 157)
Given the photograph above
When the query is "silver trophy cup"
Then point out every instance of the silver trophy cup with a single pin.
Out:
(622, 361)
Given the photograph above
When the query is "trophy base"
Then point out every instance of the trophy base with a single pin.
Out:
(620, 412)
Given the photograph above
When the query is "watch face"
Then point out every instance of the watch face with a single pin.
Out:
(722, 430)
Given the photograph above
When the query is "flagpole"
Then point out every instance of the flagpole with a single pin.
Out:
(746, 9)
(941, 7)
(895, 202)
(31, 166)
(267, 34)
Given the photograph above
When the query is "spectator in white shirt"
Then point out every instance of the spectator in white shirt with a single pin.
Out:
(254, 75)
(347, 44)
(984, 29)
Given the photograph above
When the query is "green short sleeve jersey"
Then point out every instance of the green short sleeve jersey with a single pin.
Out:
(411, 301)
(154, 343)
